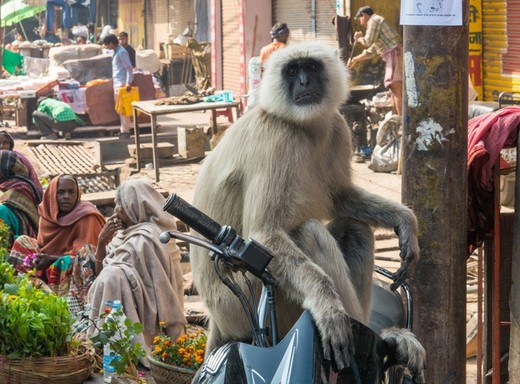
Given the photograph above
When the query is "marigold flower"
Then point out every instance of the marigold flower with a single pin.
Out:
(162, 324)
(187, 351)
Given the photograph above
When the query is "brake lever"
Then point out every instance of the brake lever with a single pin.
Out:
(167, 235)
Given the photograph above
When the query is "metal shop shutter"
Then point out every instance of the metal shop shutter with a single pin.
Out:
(325, 30)
(231, 76)
(501, 47)
(297, 15)
(305, 22)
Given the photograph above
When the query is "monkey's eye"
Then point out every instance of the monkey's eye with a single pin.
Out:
(292, 70)
(311, 66)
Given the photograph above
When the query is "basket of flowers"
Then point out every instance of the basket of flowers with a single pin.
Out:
(176, 361)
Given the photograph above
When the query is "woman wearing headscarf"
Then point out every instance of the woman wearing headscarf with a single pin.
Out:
(68, 231)
(7, 144)
(19, 197)
(136, 267)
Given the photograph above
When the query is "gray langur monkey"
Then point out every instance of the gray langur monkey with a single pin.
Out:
(279, 173)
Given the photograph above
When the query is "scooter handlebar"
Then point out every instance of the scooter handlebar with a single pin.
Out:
(196, 219)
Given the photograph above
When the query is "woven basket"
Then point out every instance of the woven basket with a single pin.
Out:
(170, 374)
(39, 370)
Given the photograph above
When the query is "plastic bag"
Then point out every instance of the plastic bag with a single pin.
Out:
(124, 100)
(385, 158)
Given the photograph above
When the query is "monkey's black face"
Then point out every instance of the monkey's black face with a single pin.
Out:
(306, 81)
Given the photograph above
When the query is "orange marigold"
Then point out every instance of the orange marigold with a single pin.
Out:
(187, 351)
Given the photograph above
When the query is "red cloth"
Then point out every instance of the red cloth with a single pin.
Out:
(488, 134)
(66, 235)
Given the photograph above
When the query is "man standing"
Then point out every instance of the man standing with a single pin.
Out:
(122, 75)
(279, 36)
(123, 41)
(53, 117)
(382, 39)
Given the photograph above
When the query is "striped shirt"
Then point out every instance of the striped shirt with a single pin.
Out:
(379, 37)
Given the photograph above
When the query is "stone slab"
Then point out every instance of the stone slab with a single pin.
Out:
(164, 150)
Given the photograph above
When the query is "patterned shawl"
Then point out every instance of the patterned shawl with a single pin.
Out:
(25, 161)
(18, 193)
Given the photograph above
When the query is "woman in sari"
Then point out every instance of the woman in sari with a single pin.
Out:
(136, 268)
(19, 197)
(67, 236)
(7, 144)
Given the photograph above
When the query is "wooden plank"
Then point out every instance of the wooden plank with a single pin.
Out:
(107, 197)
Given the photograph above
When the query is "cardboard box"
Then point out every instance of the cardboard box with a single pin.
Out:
(175, 51)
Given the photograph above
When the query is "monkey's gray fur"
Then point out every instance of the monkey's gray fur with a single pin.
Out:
(276, 176)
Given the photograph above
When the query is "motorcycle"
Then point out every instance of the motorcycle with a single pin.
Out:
(297, 357)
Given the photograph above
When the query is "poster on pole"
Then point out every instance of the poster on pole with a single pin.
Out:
(431, 12)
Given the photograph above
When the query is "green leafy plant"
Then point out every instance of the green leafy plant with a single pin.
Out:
(187, 351)
(33, 322)
(5, 240)
(120, 339)
(7, 273)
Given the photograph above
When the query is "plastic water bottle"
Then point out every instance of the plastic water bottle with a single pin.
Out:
(109, 355)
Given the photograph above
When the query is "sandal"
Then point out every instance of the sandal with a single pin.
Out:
(52, 136)
(124, 135)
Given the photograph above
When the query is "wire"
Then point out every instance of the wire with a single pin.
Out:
(243, 301)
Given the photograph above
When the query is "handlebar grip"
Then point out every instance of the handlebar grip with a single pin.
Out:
(190, 215)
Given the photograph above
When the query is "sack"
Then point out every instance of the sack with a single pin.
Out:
(385, 158)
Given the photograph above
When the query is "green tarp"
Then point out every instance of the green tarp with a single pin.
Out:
(12, 62)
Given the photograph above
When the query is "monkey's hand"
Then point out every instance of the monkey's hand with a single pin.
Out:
(405, 350)
(409, 252)
(336, 335)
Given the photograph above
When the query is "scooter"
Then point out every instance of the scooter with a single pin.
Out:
(297, 358)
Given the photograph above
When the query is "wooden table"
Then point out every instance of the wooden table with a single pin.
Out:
(149, 108)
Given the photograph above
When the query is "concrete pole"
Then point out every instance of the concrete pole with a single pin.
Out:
(434, 184)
